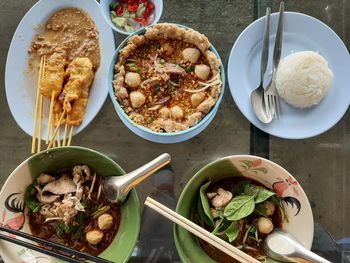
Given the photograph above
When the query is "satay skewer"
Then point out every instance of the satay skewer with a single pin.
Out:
(59, 138)
(50, 122)
(65, 134)
(54, 142)
(56, 130)
(42, 63)
(70, 135)
(41, 105)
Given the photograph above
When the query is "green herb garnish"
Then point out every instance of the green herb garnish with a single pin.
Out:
(239, 207)
(190, 69)
(30, 198)
(205, 203)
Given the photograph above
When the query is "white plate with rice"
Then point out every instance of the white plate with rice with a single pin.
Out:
(301, 33)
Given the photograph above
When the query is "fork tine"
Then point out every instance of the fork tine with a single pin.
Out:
(272, 105)
(274, 99)
(272, 102)
(267, 106)
(278, 109)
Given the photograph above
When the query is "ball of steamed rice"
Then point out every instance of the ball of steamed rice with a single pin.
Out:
(303, 79)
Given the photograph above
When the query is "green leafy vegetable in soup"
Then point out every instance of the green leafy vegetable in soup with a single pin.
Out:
(30, 200)
(241, 212)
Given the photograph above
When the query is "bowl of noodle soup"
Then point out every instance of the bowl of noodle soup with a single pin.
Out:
(56, 195)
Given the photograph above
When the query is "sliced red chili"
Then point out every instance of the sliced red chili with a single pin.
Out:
(150, 6)
(146, 14)
(132, 7)
(120, 10)
(144, 21)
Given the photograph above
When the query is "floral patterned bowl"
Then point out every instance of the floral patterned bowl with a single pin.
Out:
(13, 212)
(271, 175)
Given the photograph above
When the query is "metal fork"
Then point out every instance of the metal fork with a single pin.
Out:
(271, 96)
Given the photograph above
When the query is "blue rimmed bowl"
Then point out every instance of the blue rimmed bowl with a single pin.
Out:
(148, 134)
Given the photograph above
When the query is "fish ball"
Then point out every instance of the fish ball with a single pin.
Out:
(191, 54)
(176, 112)
(202, 71)
(137, 99)
(105, 221)
(265, 225)
(94, 236)
(197, 98)
(270, 208)
(164, 113)
(132, 79)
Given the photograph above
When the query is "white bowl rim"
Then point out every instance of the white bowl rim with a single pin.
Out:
(157, 16)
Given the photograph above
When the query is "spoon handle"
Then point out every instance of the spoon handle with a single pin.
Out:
(141, 173)
(310, 256)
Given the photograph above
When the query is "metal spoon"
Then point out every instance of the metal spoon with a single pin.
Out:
(257, 95)
(116, 188)
(282, 246)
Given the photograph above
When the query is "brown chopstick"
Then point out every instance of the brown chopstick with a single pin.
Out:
(67, 250)
(39, 249)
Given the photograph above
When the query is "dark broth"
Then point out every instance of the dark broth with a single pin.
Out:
(219, 256)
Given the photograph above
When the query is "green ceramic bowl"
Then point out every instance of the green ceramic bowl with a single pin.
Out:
(54, 160)
(269, 174)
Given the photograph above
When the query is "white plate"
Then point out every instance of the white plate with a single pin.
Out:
(21, 86)
(301, 32)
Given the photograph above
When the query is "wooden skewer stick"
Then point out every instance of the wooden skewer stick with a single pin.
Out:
(65, 135)
(200, 232)
(54, 123)
(50, 122)
(54, 141)
(56, 130)
(37, 103)
(70, 135)
(59, 138)
(52, 131)
(41, 105)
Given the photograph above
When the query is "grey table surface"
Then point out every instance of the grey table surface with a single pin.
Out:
(320, 163)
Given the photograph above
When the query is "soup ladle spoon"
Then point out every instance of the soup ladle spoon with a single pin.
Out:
(116, 188)
(283, 247)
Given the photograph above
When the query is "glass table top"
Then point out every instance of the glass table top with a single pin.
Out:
(320, 164)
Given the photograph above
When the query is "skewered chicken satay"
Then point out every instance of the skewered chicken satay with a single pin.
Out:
(52, 80)
(76, 115)
(80, 75)
(57, 111)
